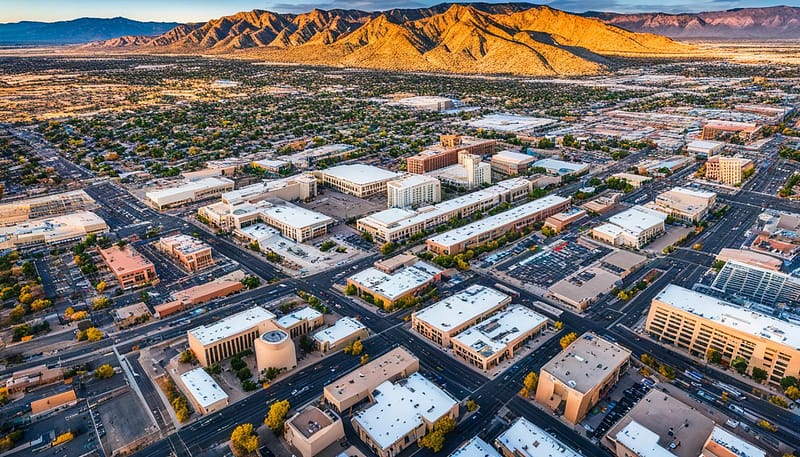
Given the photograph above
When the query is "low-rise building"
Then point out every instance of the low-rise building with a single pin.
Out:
(412, 190)
(356, 179)
(635, 181)
(219, 287)
(343, 332)
(427, 103)
(274, 349)
(704, 147)
(229, 336)
(475, 447)
(684, 204)
(728, 170)
(443, 320)
(53, 403)
(493, 227)
(511, 163)
(526, 439)
(575, 380)
(202, 391)
(51, 231)
(696, 323)
(312, 430)
(190, 192)
(131, 268)
(40, 375)
(713, 129)
(496, 338)
(603, 203)
(272, 165)
(192, 253)
(660, 167)
(582, 288)
(634, 227)
(389, 288)
(127, 316)
(355, 387)
(562, 220)
(560, 167)
(48, 205)
(301, 321)
(751, 258)
(401, 413)
(298, 187)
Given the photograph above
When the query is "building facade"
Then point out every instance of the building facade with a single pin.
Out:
(740, 281)
(446, 153)
(412, 191)
(359, 180)
(312, 430)
(685, 204)
(728, 170)
(274, 349)
(192, 253)
(193, 191)
(230, 336)
(511, 163)
(130, 268)
(634, 227)
(204, 393)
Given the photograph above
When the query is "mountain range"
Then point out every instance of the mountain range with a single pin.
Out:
(77, 31)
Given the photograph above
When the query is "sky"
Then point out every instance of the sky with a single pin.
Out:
(203, 10)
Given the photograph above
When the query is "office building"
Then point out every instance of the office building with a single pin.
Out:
(695, 323)
(728, 170)
(357, 179)
(635, 181)
(51, 231)
(301, 321)
(634, 227)
(747, 283)
(684, 204)
(561, 168)
(294, 222)
(468, 173)
(203, 392)
(229, 336)
(190, 192)
(511, 163)
(311, 430)
(343, 332)
(575, 380)
(704, 147)
(401, 413)
(446, 153)
(714, 129)
(748, 257)
(397, 224)
(497, 338)
(192, 253)
(131, 268)
(526, 439)
(274, 349)
(389, 288)
(493, 227)
(475, 447)
(355, 387)
(299, 187)
(412, 191)
(445, 319)
(48, 205)
(562, 220)
(216, 288)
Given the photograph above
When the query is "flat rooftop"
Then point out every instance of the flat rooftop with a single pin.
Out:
(54, 228)
(513, 157)
(394, 285)
(494, 334)
(525, 439)
(680, 191)
(412, 180)
(189, 187)
(303, 314)
(311, 420)
(367, 377)
(456, 310)
(184, 244)
(502, 122)
(586, 362)
(360, 174)
(475, 447)
(490, 223)
(202, 387)
(750, 258)
(726, 440)
(134, 310)
(124, 260)
(704, 144)
(343, 328)
(295, 216)
(731, 316)
(622, 261)
(400, 408)
(630, 177)
(585, 284)
(231, 325)
(637, 219)
(560, 166)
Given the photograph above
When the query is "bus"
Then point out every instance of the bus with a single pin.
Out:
(693, 374)
(731, 391)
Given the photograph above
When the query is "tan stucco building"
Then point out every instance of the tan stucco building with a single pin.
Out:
(229, 336)
(312, 430)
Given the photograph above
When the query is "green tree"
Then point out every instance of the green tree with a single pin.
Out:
(104, 371)
(350, 289)
(244, 440)
(187, 356)
(739, 364)
(758, 374)
(713, 356)
(277, 415)
(789, 381)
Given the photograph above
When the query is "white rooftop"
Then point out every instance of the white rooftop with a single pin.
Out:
(463, 307)
(692, 192)
(638, 219)
(202, 387)
(394, 285)
(184, 244)
(735, 444)
(401, 407)
(475, 447)
(360, 174)
(296, 216)
(642, 441)
(494, 334)
(516, 157)
(734, 317)
(509, 122)
(526, 439)
(559, 166)
(487, 224)
(342, 329)
(412, 180)
(704, 144)
(165, 196)
(303, 314)
(231, 325)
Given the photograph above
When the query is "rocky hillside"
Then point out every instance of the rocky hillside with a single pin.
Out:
(77, 31)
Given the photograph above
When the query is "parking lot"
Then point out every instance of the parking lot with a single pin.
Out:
(622, 398)
(122, 420)
(555, 262)
(76, 420)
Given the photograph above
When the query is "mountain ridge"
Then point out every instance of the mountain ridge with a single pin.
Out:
(77, 31)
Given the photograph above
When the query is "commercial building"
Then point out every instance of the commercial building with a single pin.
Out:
(396, 224)
(704, 147)
(192, 253)
(634, 227)
(53, 403)
(728, 170)
(562, 220)
(582, 288)
(272, 165)
(445, 319)
(190, 192)
(684, 204)
(401, 413)
(274, 349)
(748, 257)
(493, 227)
(526, 439)
(713, 129)
(309, 157)
(412, 191)
(131, 268)
(502, 122)
(560, 167)
(300, 322)
(469, 173)
(696, 323)
(48, 205)
(343, 332)
(389, 288)
(52, 231)
(299, 187)
(495, 339)
(577, 378)
(127, 316)
(427, 103)
(219, 287)
(661, 167)
(475, 447)
(355, 387)
(747, 283)
(511, 163)
(294, 222)
(204, 393)
(446, 153)
(40, 375)
(635, 181)
(780, 236)
(229, 336)
(603, 203)
(312, 430)
(357, 179)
